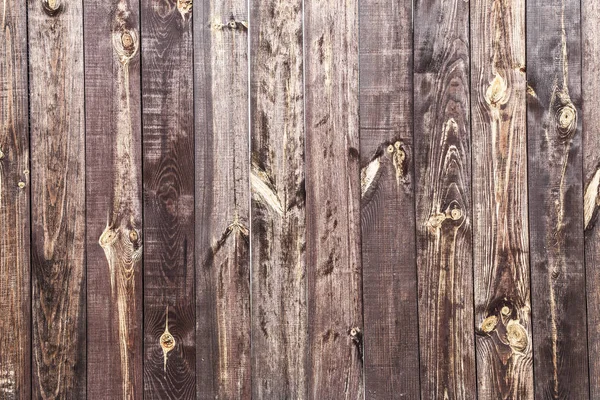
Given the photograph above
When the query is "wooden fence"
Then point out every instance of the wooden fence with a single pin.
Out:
(299, 199)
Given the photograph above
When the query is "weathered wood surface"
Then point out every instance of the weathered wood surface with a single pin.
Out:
(57, 131)
(333, 200)
(222, 200)
(443, 199)
(279, 330)
(500, 229)
(15, 342)
(590, 119)
(387, 200)
(113, 199)
(555, 198)
(168, 200)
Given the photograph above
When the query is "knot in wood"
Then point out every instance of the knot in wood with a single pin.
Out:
(496, 93)
(456, 214)
(167, 342)
(505, 311)
(516, 336)
(566, 121)
(126, 44)
(133, 236)
(52, 7)
(184, 7)
(21, 184)
(489, 324)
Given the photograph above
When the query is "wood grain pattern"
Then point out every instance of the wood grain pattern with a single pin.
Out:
(15, 342)
(58, 199)
(113, 199)
(168, 193)
(279, 330)
(222, 200)
(500, 229)
(387, 200)
(555, 198)
(443, 199)
(333, 200)
(590, 120)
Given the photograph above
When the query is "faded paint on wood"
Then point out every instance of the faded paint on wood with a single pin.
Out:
(387, 200)
(279, 330)
(113, 199)
(443, 199)
(222, 200)
(15, 342)
(333, 258)
(590, 120)
(500, 230)
(168, 200)
(555, 198)
(58, 199)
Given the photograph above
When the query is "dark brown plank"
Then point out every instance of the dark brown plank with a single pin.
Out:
(168, 205)
(279, 331)
(58, 199)
(222, 199)
(333, 200)
(590, 120)
(387, 193)
(443, 199)
(555, 198)
(113, 199)
(500, 225)
(15, 342)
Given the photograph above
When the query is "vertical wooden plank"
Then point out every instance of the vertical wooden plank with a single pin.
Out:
(555, 191)
(222, 199)
(168, 196)
(58, 204)
(333, 200)
(15, 343)
(591, 174)
(387, 195)
(500, 229)
(113, 199)
(279, 331)
(443, 199)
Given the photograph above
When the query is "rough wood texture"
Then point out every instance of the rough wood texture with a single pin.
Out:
(500, 229)
(443, 199)
(113, 199)
(222, 200)
(15, 342)
(591, 174)
(333, 200)
(555, 198)
(279, 331)
(387, 200)
(168, 187)
(58, 204)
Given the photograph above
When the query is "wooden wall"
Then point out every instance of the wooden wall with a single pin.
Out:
(299, 199)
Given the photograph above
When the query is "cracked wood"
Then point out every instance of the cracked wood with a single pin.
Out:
(555, 197)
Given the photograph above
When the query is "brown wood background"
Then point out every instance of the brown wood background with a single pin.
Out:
(299, 199)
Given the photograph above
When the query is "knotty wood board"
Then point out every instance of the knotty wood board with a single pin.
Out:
(15, 342)
(58, 199)
(333, 200)
(113, 199)
(168, 200)
(387, 200)
(222, 200)
(279, 330)
(590, 119)
(555, 199)
(443, 199)
(500, 229)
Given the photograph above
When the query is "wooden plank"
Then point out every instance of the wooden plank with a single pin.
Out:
(15, 343)
(555, 191)
(58, 199)
(443, 199)
(500, 225)
(168, 200)
(590, 119)
(279, 331)
(387, 193)
(113, 199)
(222, 200)
(334, 271)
